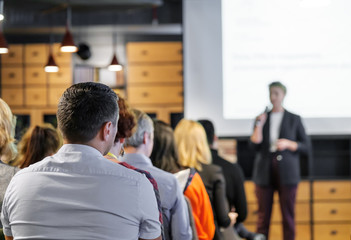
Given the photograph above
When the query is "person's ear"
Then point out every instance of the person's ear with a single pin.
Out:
(107, 131)
(145, 137)
(215, 138)
(122, 140)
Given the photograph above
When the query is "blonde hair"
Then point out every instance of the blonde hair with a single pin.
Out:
(37, 143)
(8, 149)
(192, 144)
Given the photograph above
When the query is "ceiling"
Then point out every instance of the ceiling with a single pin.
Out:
(24, 14)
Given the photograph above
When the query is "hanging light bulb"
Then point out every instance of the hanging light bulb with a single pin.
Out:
(67, 44)
(4, 48)
(51, 66)
(114, 66)
(2, 10)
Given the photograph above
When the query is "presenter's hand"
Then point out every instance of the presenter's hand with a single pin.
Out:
(286, 144)
(261, 120)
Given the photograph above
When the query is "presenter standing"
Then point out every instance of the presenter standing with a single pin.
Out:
(278, 138)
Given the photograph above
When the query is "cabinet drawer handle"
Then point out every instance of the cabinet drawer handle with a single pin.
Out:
(145, 73)
(35, 74)
(11, 75)
(144, 52)
(180, 72)
(333, 232)
(180, 51)
(333, 211)
(255, 212)
(11, 54)
(332, 190)
(35, 53)
(145, 94)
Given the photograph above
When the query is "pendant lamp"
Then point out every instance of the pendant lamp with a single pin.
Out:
(114, 66)
(67, 44)
(2, 10)
(4, 47)
(51, 66)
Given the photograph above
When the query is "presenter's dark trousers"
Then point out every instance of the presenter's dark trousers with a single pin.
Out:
(287, 197)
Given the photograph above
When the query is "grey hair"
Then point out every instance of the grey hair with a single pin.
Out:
(144, 124)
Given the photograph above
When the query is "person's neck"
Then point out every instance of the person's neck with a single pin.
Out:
(277, 109)
(138, 150)
(94, 144)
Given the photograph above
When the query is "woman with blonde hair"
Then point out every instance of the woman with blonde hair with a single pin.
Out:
(7, 148)
(36, 144)
(194, 152)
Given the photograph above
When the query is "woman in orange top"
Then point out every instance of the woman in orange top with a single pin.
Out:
(165, 157)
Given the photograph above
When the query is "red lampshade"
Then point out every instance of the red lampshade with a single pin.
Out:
(51, 66)
(67, 44)
(4, 47)
(114, 66)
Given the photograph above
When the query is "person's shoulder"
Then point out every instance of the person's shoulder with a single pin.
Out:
(292, 115)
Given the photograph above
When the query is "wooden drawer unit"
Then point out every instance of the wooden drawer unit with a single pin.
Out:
(332, 211)
(155, 74)
(54, 95)
(62, 77)
(155, 95)
(36, 96)
(36, 54)
(142, 52)
(12, 96)
(331, 190)
(15, 55)
(12, 76)
(35, 75)
(61, 58)
(331, 231)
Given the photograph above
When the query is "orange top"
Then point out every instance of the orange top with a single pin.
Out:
(201, 208)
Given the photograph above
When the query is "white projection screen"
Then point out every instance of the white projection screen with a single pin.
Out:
(234, 48)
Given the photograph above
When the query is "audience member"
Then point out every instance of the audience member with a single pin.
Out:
(174, 209)
(194, 152)
(7, 148)
(36, 144)
(164, 156)
(234, 179)
(77, 193)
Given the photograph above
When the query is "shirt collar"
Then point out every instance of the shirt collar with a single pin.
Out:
(136, 158)
(80, 148)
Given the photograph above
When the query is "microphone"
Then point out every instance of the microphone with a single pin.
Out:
(258, 122)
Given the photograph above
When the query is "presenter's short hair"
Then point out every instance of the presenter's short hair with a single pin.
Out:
(279, 85)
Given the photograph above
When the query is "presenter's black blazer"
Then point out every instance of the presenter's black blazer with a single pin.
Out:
(289, 162)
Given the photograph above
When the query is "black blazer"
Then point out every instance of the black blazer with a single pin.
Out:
(234, 182)
(289, 164)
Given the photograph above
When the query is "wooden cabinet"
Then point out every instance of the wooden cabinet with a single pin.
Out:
(12, 76)
(63, 77)
(35, 75)
(153, 52)
(155, 78)
(25, 85)
(36, 54)
(332, 209)
(14, 56)
(330, 203)
(12, 96)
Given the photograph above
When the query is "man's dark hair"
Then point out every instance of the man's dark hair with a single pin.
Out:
(84, 108)
(209, 129)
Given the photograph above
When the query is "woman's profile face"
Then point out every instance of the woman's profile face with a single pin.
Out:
(276, 95)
